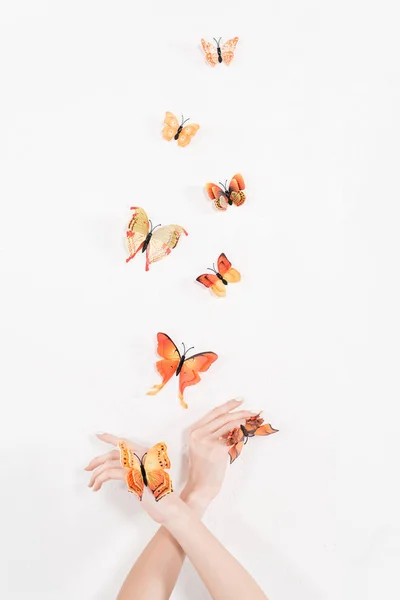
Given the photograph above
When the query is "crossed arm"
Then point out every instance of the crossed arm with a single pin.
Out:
(154, 574)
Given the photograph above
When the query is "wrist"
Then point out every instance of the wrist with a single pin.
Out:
(196, 499)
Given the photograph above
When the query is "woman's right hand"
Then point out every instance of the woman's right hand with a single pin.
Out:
(208, 453)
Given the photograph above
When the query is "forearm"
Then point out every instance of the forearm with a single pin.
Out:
(154, 575)
(221, 573)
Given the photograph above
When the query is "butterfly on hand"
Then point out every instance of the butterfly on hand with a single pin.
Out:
(240, 435)
(172, 129)
(226, 196)
(146, 471)
(218, 54)
(173, 362)
(157, 243)
(223, 275)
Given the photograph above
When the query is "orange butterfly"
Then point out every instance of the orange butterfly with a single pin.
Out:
(172, 362)
(141, 235)
(225, 274)
(180, 133)
(146, 471)
(217, 54)
(227, 196)
(239, 436)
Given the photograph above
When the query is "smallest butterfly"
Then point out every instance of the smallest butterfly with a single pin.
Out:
(217, 54)
(178, 131)
(223, 275)
(226, 196)
(239, 436)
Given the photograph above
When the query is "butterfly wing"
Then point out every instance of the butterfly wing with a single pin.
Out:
(130, 462)
(171, 126)
(252, 424)
(236, 188)
(189, 375)
(155, 462)
(226, 270)
(170, 360)
(218, 195)
(265, 429)
(235, 437)
(212, 281)
(138, 229)
(228, 50)
(187, 133)
(210, 51)
(162, 242)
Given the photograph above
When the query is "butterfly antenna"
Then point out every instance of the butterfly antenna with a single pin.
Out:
(151, 225)
(184, 350)
(153, 228)
(211, 269)
(188, 350)
(223, 184)
(139, 459)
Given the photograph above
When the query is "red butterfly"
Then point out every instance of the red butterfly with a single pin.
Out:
(172, 362)
(239, 436)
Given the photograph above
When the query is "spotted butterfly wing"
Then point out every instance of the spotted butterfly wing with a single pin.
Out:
(147, 471)
(217, 54)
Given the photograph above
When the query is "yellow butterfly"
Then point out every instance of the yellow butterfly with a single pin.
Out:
(182, 134)
(146, 471)
(157, 243)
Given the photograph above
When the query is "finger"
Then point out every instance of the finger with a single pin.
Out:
(109, 464)
(236, 423)
(117, 474)
(99, 460)
(108, 438)
(227, 418)
(216, 412)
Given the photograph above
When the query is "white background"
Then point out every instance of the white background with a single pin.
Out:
(309, 113)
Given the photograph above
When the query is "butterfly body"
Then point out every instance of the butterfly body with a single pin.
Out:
(156, 243)
(221, 276)
(219, 54)
(224, 195)
(143, 472)
(148, 471)
(187, 368)
(178, 133)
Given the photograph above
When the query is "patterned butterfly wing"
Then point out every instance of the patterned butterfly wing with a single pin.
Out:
(228, 50)
(236, 188)
(213, 282)
(211, 53)
(171, 126)
(155, 462)
(189, 375)
(218, 195)
(236, 440)
(187, 133)
(138, 229)
(168, 365)
(162, 242)
(131, 463)
(252, 424)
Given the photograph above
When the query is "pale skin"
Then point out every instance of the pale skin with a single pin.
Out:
(154, 574)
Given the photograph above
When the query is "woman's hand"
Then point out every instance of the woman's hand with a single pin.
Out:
(108, 466)
(208, 453)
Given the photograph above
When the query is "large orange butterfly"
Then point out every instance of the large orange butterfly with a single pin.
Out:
(172, 362)
(141, 235)
(173, 129)
(224, 275)
(239, 436)
(224, 196)
(146, 471)
(217, 54)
